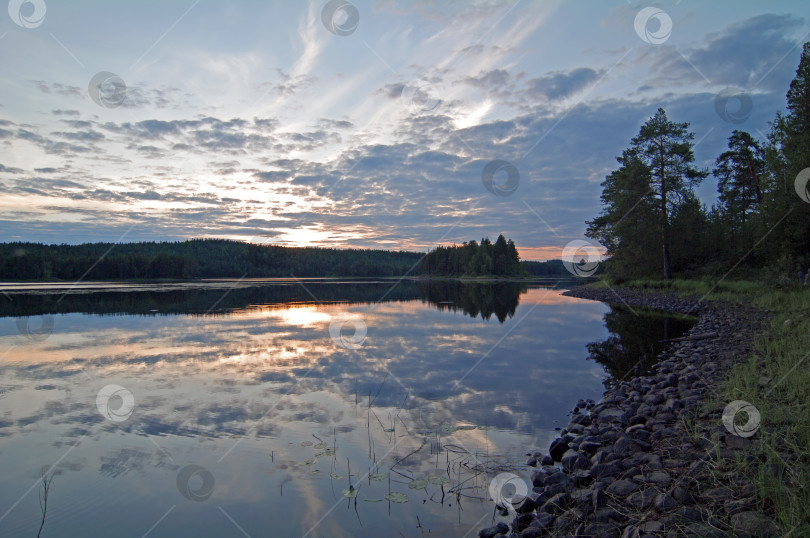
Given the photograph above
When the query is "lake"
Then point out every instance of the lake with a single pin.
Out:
(313, 407)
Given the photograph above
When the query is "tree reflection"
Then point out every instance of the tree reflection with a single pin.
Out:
(474, 298)
(635, 340)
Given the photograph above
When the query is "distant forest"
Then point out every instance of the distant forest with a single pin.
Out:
(473, 259)
(220, 258)
(197, 258)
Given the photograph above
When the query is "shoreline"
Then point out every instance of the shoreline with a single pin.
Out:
(646, 460)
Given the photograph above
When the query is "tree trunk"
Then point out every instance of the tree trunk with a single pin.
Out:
(664, 217)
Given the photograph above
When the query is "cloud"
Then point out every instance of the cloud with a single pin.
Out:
(749, 54)
(560, 85)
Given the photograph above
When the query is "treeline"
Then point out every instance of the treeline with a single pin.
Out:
(197, 258)
(652, 223)
(473, 259)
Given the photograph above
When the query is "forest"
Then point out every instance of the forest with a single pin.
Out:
(473, 259)
(220, 258)
(653, 225)
(196, 258)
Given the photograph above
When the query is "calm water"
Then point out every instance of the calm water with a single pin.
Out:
(233, 409)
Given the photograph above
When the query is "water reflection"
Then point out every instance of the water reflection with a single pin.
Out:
(637, 337)
(471, 298)
(257, 393)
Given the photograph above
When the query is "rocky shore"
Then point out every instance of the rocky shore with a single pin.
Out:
(647, 460)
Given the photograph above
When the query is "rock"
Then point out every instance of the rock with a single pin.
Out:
(583, 420)
(589, 447)
(543, 520)
(687, 513)
(538, 478)
(573, 460)
(557, 478)
(611, 468)
(532, 532)
(547, 460)
(557, 503)
(683, 495)
(658, 478)
(701, 530)
(719, 495)
(624, 446)
(521, 522)
(651, 526)
(612, 415)
(753, 524)
(598, 499)
(531, 462)
(582, 477)
(622, 488)
(641, 500)
(491, 532)
(527, 506)
(557, 449)
(665, 502)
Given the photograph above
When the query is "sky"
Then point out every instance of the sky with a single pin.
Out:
(370, 124)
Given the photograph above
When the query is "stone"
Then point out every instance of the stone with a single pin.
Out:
(623, 446)
(683, 495)
(622, 488)
(611, 468)
(658, 478)
(573, 460)
(598, 499)
(582, 477)
(532, 532)
(543, 520)
(557, 503)
(521, 522)
(557, 478)
(589, 447)
(753, 524)
(665, 502)
(641, 500)
(651, 526)
(688, 513)
(557, 449)
(527, 506)
(547, 460)
(719, 495)
(491, 532)
(538, 478)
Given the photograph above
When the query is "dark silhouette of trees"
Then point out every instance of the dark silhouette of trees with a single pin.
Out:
(650, 213)
(198, 258)
(473, 259)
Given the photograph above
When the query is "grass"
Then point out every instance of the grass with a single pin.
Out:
(775, 378)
